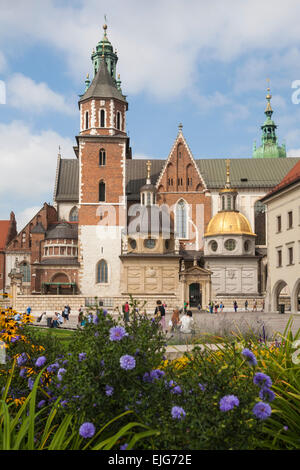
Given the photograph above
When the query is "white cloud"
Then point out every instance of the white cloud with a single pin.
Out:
(294, 153)
(25, 94)
(24, 216)
(28, 164)
(160, 43)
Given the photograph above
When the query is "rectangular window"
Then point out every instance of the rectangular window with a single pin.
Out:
(290, 219)
(279, 258)
(291, 255)
(279, 223)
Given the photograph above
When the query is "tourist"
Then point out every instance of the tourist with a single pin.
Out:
(187, 322)
(221, 306)
(185, 306)
(175, 320)
(17, 317)
(28, 310)
(199, 307)
(254, 309)
(235, 306)
(211, 307)
(246, 305)
(263, 306)
(216, 307)
(125, 309)
(160, 313)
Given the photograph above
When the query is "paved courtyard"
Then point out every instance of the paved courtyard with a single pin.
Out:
(220, 322)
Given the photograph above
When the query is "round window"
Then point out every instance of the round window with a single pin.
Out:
(247, 245)
(230, 244)
(132, 243)
(214, 245)
(150, 243)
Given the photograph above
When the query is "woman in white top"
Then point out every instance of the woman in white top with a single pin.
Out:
(187, 322)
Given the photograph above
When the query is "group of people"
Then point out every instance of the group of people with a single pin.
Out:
(184, 324)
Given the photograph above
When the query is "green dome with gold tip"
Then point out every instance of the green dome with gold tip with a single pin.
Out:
(269, 145)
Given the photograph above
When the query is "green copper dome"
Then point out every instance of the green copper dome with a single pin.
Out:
(104, 48)
(269, 146)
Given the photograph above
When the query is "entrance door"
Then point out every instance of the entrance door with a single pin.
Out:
(195, 296)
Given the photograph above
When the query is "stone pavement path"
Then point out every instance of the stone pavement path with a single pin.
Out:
(205, 322)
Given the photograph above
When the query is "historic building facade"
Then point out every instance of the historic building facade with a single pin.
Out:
(283, 239)
(92, 241)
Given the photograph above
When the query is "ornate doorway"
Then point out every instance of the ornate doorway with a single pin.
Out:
(195, 297)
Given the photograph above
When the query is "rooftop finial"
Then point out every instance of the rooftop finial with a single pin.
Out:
(268, 97)
(148, 165)
(180, 126)
(105, 25)
(227, 173)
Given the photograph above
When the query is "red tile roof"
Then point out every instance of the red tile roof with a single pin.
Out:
(291, 177)
(4, 229)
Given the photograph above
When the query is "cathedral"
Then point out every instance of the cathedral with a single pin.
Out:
(178, 229)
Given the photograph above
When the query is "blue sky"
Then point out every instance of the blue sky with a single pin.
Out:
(201, 63)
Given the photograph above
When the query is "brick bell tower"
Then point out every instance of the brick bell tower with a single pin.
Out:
(103, 147)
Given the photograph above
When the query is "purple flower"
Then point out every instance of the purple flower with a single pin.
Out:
(40, 361)
(109, 390)
(266, 394)
(30, 383)
(127, 362)
(157, 374)
(87, 430)
(81, 357)
(23, 372)
(60, 373)
(177, 412)
(105, 313)
(250, 357)
(147, 378)
(117, 333)
(285, 428)
(176, 390)
(64, 403)
(228, 402)
(262, 380)
(22, 359)
(96, 320)
(202, 387)
(52, 367)
(41, 404)
(124, 446)
(262, 410)
(96, 334)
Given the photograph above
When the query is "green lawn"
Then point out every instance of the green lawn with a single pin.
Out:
(61, 334)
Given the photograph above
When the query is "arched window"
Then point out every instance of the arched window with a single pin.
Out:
(86, 120)
(25, 269)
(118, 120)
(102, 118)
(181, 220)
(73, 217)
(260, 223)
(102, 157)
(102, 272)
(101, 191)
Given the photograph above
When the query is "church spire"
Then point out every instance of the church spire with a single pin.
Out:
(105, 49)
(269, 145)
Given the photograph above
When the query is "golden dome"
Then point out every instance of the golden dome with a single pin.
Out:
(229, 222)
